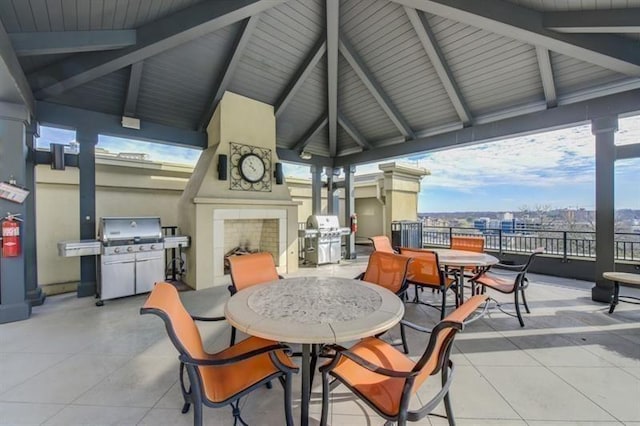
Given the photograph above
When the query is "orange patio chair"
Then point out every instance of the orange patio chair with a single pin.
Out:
(248, 270)
(506, 282)
(388, 270)
(222, 378)
(468, 243)
(386, 379)
(425, 271)
(382, 243)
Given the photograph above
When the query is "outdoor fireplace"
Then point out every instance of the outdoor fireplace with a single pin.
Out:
(224, 209)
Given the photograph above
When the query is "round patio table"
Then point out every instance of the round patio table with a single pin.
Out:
(460, 259)
(313, 310)
(625, 278)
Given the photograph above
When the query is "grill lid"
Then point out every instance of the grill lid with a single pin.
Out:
(129, 230)
(323, 223)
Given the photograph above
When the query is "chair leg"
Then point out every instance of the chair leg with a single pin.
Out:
(417, 298)
(524, 300)
(197, 413)
(517, 303)
(325, 398)
(444, 303)
(403, 336)
(614, 298)
(233, 336)
(186, 394)
(287, 400)
(314, 361)
(447, 400)
(236, 414)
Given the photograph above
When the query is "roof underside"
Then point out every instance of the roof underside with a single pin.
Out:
(396, 71)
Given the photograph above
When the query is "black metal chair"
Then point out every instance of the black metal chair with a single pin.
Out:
(512, 280)
(222, 378)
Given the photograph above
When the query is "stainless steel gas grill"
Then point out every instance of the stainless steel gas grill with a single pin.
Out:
(323, 239)
(132, 254)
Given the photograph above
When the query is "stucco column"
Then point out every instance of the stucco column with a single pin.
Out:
(87, 138)
(349, 209)
(14, 305)
(604, 129)
(34, 292)
(316, 190)
(401, 190)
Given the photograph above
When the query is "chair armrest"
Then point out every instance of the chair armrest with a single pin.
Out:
(415, 326)
(280, 277)
(197, 318)
(341, 351)
(232, 289)
(224, 361)
(360, 276)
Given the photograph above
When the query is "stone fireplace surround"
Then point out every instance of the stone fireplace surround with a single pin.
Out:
(235, 216)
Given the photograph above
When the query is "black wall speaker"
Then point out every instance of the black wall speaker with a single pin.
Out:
(222, 167)
(57, 156)
(277, 173)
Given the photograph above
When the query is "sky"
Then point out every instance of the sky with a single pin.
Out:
(554, 169)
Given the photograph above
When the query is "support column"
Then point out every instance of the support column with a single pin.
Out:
(604, 129)
(316, 190)
(14, 305)
(87, 163)
(35, 296)
(349, 209)
(333, 200)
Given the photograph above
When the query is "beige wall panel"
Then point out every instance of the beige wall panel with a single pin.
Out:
(370, 218)
(138, 202)
(57, 219)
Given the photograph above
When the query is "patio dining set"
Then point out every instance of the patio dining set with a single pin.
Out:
(323, 313)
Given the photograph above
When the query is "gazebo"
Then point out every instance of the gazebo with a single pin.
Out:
(350, 82)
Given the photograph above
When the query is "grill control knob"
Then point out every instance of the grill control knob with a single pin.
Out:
(153, 246)
(129, 249)
(116, 250)
(141, 248)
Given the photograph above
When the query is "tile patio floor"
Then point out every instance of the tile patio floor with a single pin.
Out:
(73, 363)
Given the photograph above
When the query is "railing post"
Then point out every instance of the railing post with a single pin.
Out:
(450, 235)
(564, 246)
(500, 242)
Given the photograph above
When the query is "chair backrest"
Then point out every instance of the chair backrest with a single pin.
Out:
(165, 302)
(252, 269)
(382, 243)
(424, 268)
(441, 339)
(388, 270)
(467, 243)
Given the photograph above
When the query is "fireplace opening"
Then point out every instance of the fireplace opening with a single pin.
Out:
(245, 236)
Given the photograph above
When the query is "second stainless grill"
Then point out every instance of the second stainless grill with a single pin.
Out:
(324, 235)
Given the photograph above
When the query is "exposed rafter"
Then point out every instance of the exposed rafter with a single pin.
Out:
(561, 116)
(153, 38)
(353, 132)
(546, 75)
(231, 64)
(430, 44)
(594, 21)
(333, 31)
(14, 87)
(301, 75)
(318, 125)
(511, 20)
(55, 42)
(133, 88)
(374, 87)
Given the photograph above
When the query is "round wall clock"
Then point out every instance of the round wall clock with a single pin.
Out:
(252, 168)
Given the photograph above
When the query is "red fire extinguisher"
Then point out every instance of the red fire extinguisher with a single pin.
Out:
(354, 223)
(11, 236)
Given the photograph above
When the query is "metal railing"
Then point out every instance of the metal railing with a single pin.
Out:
(565, 243)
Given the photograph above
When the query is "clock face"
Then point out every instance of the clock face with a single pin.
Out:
(251, 168)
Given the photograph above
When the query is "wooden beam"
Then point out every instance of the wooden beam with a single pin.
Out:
(333, 30)
(133, 88)
(594, 21)
(353, 132)
(56, 42)
(546, 75)
(318, 125)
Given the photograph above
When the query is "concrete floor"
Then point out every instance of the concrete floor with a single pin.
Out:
(73, 363)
